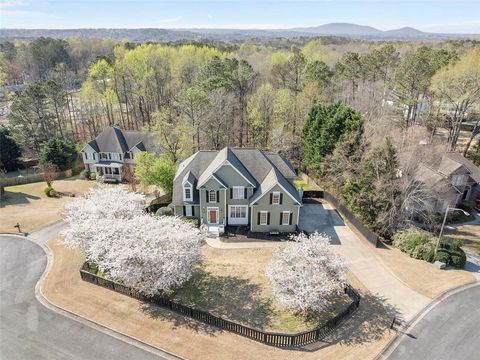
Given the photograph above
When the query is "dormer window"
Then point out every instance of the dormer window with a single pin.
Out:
(187, 192)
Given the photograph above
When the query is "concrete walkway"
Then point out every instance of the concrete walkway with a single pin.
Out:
(217, 243)
(399, 299)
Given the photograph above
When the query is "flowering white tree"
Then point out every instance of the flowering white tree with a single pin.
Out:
(306, 272)
(152, 254)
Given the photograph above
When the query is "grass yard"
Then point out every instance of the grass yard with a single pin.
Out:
(420, 275)
(28, 205)
(468, 233)
(301, 184)
(361, 337)
(232, 284)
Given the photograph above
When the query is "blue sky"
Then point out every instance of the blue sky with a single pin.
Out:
(461, 16)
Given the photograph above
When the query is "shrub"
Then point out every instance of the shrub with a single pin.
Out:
(458, 258)
(164, 211)
(456, 245)
(93, 176)
(443, 255)
(424, 252)
(418, 243)
(48, 191)
(110, 181)
(194, 221)
(86, 174)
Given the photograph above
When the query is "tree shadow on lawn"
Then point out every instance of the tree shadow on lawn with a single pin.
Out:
(229, 297)
(368, 324)
(17, 198)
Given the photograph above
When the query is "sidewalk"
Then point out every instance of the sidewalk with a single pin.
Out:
(216, 243)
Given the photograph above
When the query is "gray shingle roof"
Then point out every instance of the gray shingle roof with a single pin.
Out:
(282, 164)
(115, 140)
(275, 177)
(226, 154)
(467, 163)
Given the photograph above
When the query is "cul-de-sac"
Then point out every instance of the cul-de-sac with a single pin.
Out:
(230, 180)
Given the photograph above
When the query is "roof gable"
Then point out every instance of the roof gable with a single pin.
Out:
(226, 156)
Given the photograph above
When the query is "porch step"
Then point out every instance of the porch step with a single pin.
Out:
(213, 234)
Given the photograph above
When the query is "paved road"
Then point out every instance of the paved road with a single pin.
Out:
(450, 330)
(28, 330)
(399, 299)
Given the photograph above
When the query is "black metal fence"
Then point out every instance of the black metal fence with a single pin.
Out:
(268, 338)
(344, 212)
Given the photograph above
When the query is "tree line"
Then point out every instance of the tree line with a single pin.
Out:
(206, 97)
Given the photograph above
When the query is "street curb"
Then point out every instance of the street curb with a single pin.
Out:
(395, 341)
(39, 295)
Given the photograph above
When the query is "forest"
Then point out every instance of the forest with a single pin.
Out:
(350, 113)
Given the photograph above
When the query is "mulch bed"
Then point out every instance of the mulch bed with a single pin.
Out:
(243, 234)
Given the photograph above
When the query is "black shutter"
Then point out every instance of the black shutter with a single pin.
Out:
(218, 196)
(231, 193)
(271, 196)
(258, 218)
(281, 217)
(291, 216)
(245, 193)
(268, 218)
(281, 198)
(208, 197)
(184, 210)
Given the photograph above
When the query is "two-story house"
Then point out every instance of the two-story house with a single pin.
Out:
(452, 181)
(113, 148)
(238, 186)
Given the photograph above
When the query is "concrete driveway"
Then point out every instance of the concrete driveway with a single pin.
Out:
(449, 330)
(28, 330)
(398, 298)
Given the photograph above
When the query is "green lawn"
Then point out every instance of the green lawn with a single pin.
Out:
(300, 184)
(229, 284)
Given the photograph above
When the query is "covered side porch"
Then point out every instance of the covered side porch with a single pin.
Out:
(108, 170)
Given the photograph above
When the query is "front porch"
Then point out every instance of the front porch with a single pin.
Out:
(110, 170)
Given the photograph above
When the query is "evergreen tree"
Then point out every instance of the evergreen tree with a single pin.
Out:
(61, 153)
(9, 151)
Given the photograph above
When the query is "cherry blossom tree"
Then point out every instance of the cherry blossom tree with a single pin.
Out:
(85, 214)
(152, 254)
(305, 273)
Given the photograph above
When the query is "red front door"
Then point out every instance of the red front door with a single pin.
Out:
(212, 216)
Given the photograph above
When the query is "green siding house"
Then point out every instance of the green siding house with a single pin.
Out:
(237, 187)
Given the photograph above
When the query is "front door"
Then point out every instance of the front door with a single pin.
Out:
(213, 215)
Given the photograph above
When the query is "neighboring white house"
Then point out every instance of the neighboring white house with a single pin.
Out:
(112, 149)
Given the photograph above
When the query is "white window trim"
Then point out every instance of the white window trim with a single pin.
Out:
(276, 193)
(240, 195)
(231, 212)
(288, 217)
(210, 196)
(266, 217)
(187, 186)
(208, 215)
(188, 210)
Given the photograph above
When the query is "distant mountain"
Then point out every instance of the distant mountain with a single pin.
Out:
(341, 29)
(344, 30)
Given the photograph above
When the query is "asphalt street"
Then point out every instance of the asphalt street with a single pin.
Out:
(29, 330)
(451, 330)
